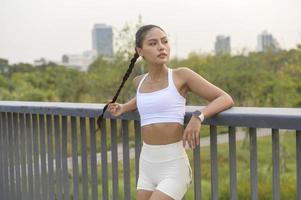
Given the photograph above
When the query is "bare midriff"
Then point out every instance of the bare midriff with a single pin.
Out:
(162, 133)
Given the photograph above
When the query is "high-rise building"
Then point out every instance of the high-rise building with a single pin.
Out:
(266, 42)
(222, 45)
(102, 40)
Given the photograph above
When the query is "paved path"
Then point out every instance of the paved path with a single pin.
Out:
(204, 142)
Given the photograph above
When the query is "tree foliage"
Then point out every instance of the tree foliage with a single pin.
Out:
(258, 79)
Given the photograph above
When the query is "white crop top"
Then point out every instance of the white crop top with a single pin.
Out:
(165, 105)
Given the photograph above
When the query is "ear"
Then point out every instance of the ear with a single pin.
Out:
(139, 51)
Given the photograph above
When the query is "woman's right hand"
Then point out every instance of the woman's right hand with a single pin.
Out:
(115, 109)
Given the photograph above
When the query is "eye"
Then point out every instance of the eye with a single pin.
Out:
(152, 43)
(165, 41)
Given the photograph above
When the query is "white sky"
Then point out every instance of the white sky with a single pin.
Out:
(30, 29)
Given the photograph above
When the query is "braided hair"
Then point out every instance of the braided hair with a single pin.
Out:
(139, 37)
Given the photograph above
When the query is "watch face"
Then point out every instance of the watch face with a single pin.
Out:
(197, 113)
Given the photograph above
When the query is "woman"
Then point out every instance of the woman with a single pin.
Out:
(164, 169)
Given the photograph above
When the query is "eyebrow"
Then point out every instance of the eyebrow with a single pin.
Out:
(153, 39)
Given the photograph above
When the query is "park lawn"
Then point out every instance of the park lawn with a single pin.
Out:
(287, 174)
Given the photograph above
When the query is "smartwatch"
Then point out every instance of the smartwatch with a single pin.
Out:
(198, 114)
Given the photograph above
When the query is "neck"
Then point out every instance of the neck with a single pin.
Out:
(156, 72)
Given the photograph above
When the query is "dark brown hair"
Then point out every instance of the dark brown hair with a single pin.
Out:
(139, 37)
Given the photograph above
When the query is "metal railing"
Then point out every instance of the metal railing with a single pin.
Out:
(49, 150)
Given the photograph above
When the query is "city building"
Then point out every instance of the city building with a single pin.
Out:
(266, 42)
(102, 40)
(222, 45)
(79, 61)
(39, 62)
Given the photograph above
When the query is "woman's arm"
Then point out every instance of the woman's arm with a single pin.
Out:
(219, 101)
(130, 105)
(117, 109)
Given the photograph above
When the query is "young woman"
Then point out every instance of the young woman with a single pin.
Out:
(164, 169)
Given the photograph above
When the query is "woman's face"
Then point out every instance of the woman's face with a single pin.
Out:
(155, 47)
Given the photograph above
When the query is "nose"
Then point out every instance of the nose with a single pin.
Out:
(160, 46)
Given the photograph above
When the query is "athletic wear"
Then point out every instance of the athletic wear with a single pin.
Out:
(165, 168)
(165, 105)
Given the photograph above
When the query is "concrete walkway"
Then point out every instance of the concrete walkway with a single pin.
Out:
(204, 142)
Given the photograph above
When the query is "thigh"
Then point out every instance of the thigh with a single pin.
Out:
(143, 194)
(158, 195)
(176, 179)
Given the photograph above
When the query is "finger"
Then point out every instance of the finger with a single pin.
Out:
(189, 138)
(110, 108)
(184, 139)
(197, 138)
(114, 106)
(193, 140)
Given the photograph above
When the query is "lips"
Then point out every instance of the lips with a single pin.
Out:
(162, 54)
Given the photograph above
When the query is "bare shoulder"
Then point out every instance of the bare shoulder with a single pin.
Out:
(184, 73)
(197, 84)
(137, 80)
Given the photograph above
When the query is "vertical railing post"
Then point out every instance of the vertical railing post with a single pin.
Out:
(44, 179)
(253, 164)
(65, 177)
(137, 147)
(84, 158)
(197, 173)
(126, 160)
(104, 160)
(29, 155)
(114, 159)
(36, 157)
(275, 158)
(298, 163)
(2, 149)
(17, 155)
(6, 187)
(49, 125)
(12, 181)
(23, 139)
(93, 158)
(232, 163)
(214, 169)
(58, 157)
(74, 159)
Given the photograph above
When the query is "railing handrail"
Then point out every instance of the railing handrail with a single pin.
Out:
(267, 117)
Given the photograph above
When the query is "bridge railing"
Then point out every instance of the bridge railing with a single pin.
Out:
(54, 151)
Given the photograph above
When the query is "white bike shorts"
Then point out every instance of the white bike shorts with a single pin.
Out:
(165, 168)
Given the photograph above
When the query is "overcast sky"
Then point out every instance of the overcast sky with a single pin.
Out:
(31, 29)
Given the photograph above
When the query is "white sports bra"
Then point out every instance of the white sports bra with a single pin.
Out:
(165, 105)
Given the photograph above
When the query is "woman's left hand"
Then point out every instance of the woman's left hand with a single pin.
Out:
(192, 133)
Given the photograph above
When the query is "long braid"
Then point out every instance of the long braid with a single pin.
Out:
(125, 77)
(139, 39)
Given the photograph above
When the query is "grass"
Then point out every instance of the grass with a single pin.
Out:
(264, 156)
